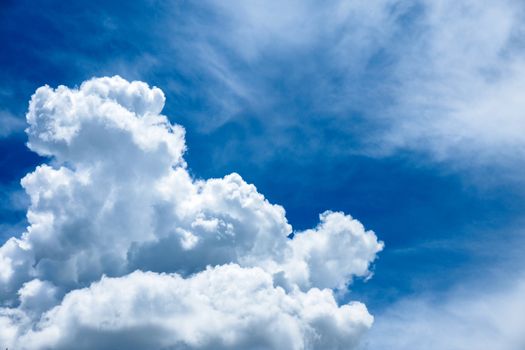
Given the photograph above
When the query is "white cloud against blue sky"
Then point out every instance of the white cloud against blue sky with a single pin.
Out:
(406, 115)
(127, 203)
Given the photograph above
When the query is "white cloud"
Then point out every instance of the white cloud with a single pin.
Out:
(461, 81)
(116, 197)
(443, 78)
(227, 307)
(9, 124)
(319, 254)
(492, 317)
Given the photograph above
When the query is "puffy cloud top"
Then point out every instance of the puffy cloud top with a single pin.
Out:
(121, 239)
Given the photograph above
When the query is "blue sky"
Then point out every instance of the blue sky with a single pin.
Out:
(406, 115)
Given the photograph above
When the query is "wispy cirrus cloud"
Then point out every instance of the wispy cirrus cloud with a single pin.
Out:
(9, 124)
(487, 316)
(438, 78)
(442, 79)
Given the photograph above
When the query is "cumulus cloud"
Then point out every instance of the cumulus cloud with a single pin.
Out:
(116, 199)
(227, 307)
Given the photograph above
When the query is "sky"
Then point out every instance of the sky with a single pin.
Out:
(262, 174)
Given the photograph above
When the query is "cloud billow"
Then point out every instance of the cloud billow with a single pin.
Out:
(125, 249)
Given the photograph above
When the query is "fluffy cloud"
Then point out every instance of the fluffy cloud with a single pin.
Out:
(116, 198)
(220, 308)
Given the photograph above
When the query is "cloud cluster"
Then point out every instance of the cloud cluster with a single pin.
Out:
(121, 242)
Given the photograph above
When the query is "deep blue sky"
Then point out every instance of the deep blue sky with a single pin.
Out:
(313, 123)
